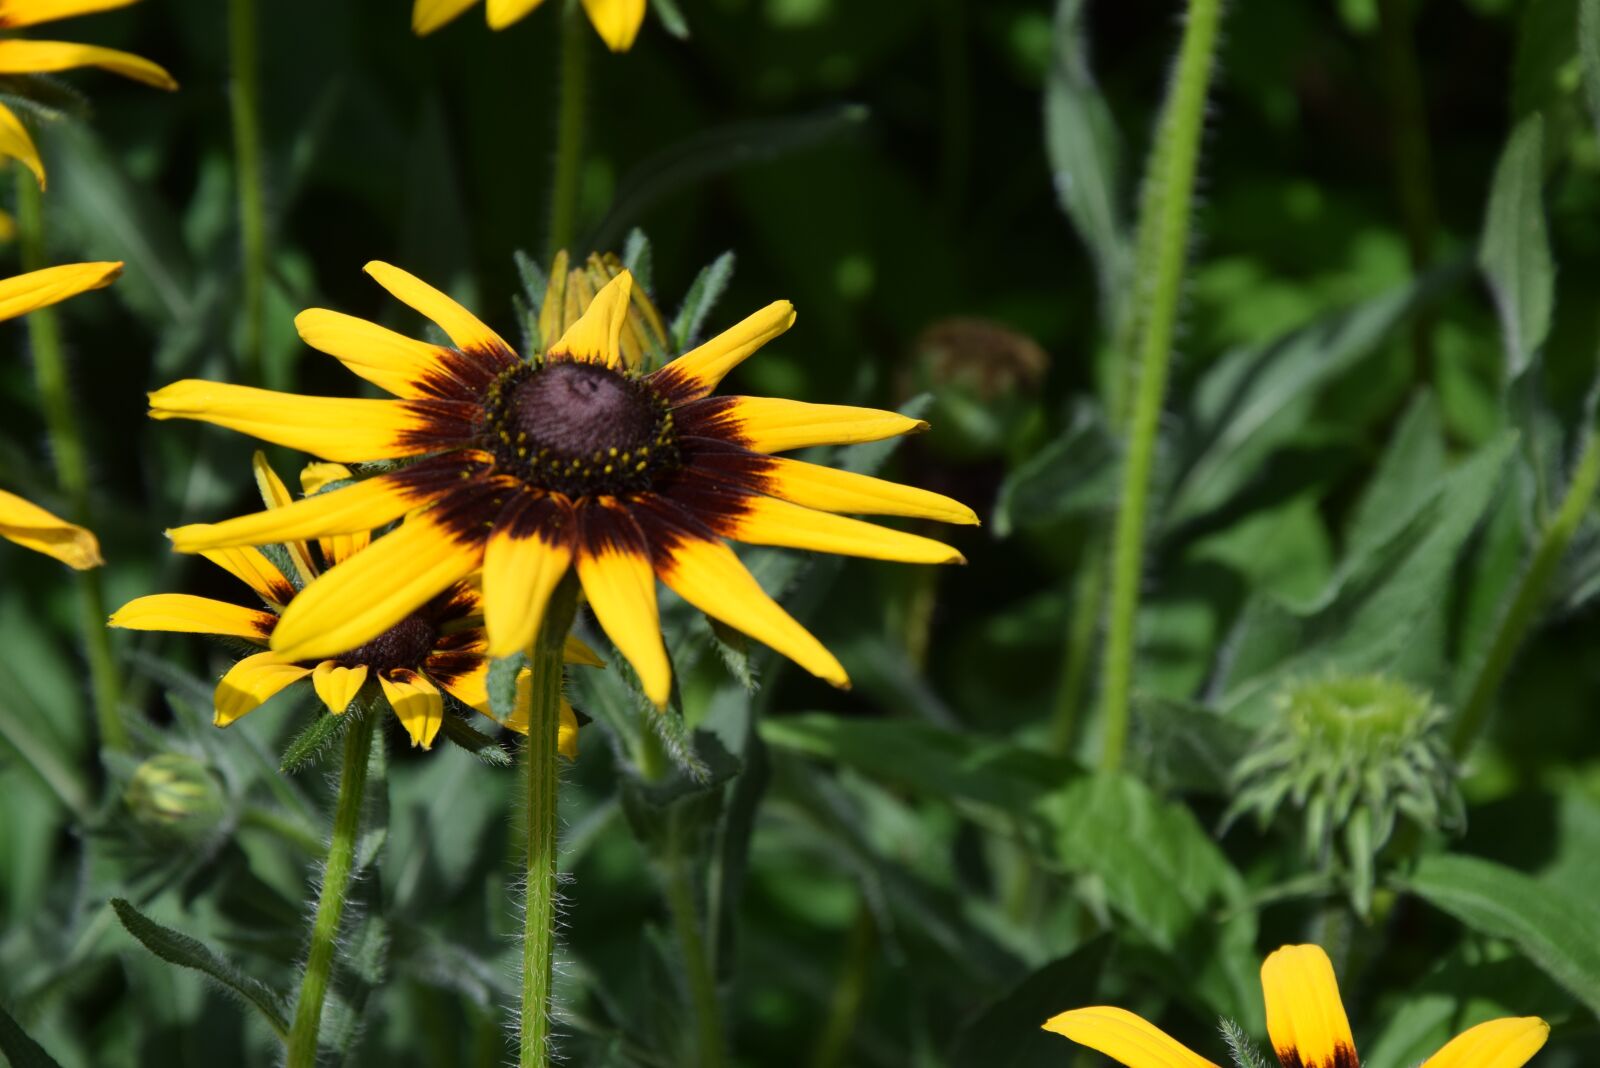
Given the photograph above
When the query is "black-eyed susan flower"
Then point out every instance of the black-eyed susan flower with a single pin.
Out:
(616, 21)
(23, 56)
(22, 521)
(437, 648)
(1306, 1022)
(572, 461)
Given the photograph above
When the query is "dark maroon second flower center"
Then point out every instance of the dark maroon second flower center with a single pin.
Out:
(405, 645)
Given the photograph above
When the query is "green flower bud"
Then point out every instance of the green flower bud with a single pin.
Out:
(175, 794)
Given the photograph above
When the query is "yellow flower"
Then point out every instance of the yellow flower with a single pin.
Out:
(27, 524)
(570, 291)
(19, 56)
(529, 469)
(1306, 1022)
(616, 21)
(439, 646)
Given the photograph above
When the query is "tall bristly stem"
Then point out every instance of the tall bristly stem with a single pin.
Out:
(541, 769)
(335, 885)
(71, 466)
(245, 98)
(681, 901)
(569, 128)
(1170, 194)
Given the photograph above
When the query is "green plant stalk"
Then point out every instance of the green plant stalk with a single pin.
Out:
(1170, 193)
(1528, 597)
(849, 992)
(71, 466)
(541, 772)
(1086, 605)
(680, 887)
(245, 99)
(335, 884)
(569, 129)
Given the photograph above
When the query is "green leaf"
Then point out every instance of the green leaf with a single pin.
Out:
(474, 741)
(186, 952)
(639, 258)
(1589, 55)
(1514, 253)
(671, 17)
(1006, 1033)
(1559, 931)
(20, 1050)
(1076, 474)
(502, 684)
(703, 295)
(314, 742)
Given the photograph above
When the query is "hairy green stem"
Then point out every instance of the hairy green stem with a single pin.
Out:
(71, 466)
(1528, 597)
(708, 1052)
(541, 770)
(335, 885)
(569, 129)
(1170, 194)
(245, 101)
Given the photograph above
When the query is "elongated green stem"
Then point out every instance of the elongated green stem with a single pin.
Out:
(1173, 161)
(569, 129)
(245, 100)
(72, 467)
(849, 992)
(1087, 592)
(335, 884)
(541, 770)
(1528, 597)
(708, 1052)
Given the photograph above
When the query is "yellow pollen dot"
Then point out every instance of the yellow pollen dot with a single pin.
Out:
(608, 469)
(640, 466)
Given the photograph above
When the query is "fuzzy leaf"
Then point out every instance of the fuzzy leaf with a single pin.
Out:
(502, 684)
(1514, 253)
(703, 295)
(460, 732)
(313, 742)
(20, 1050)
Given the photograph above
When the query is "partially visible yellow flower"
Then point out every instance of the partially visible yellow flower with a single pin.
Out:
(27, 524)
(571, 290)
(616, 21)
(1306, 1022)
(439, 648)
(19, 56)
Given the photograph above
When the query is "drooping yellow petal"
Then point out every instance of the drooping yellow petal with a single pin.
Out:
(34, 528)
(39, 289)
(338, 685)
(503, 13)
(566, 730)
(416, 702)
(251, 567)
(597, 335)
(832, 490)
(389, 360)
(577, 652)
(18, 13)
(1505, 1043)
(316, 477)
(250, 682)
(429, 15)
(16, 143)
(769, 521)
(698, 371)
(774, 424)
(616, 21)
(1305, 1017)
(466, 330)
(621, 587)
(522, 565)
(709, 576)
(184, 613)
(18, 56)
(338, 547)
(1125, 1038)
(276, 495)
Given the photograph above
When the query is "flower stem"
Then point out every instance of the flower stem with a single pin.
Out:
(569, 129)
(1079, 644)
(335, 884)
(245, 102)
(696, 966)
(1170, 195)
(542, 767)
(71, 465)
(1528, 597)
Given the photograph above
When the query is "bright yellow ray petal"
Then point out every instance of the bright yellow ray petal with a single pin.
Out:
(1505, 1043)
(831, 490)
(250, 682)
(578, 653)
(775, 424)
(186, 614)
(32, 527)
(699, 371)
(616, 21)
(621, 588)
(18, 144)
(416, 702)
(17, 13)
(1305, 1016)
(18, 56)
(338, 685)
(769, 521)
(429, 15)
(566, 731)
(338, 547)
(24, 293)
(463, 328)
(1125, 1038)
(251, 567)
(709, 576)
(519, 575)
(503, 13)
(597, 335)
(389, 360)
(276, 495)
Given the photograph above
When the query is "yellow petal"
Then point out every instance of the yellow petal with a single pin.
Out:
(1504, 1043)
(769, 521)
(16, 143)
(429, 15)
(1125, 1038)
(466, 330)
(313, 477)
(275, 495)
(832, 490)
(46, 57)
(1305, 1017)
(390, 361)
(416, 701)
(39, 289)
(17, 13)
(526, 557)
(773, 424)
(709, 576)
(614, 568)
(597, 335)
(251, 566)
(34, 528)
(577, 652)
(338, 685)
(616, 21)
(503, 13)
(698, 371)
(186, 614)
(566, 730)
(250, 682)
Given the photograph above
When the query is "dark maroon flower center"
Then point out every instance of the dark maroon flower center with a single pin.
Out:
(405, 645)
